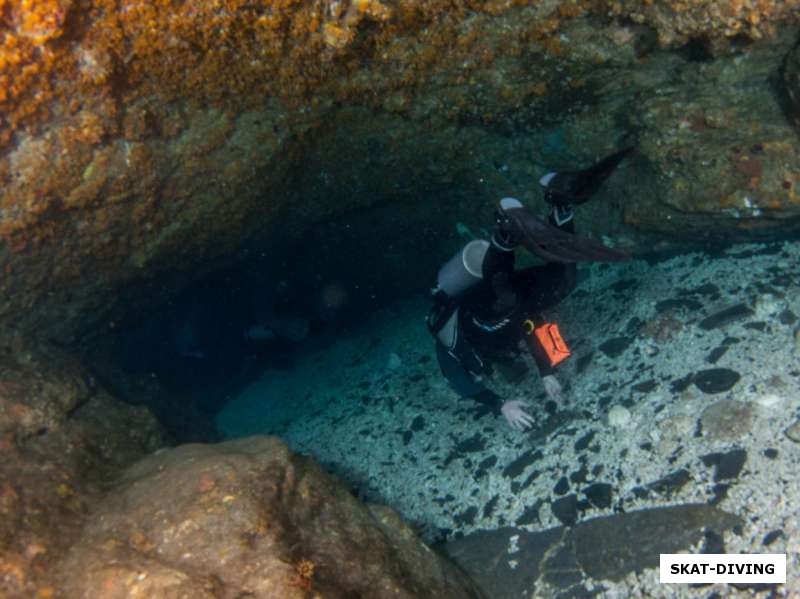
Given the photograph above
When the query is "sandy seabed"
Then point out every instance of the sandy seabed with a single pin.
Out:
(697, 358)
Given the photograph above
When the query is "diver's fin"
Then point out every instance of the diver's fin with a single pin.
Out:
(577, 187)
(554, 245)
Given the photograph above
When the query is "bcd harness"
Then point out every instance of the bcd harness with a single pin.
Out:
(463, 271)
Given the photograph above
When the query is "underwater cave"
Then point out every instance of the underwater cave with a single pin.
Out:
(389, 299)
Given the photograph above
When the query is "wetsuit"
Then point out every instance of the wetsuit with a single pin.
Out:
(491, 317)
(485, 322)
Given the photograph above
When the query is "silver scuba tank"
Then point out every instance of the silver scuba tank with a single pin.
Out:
(464, 269)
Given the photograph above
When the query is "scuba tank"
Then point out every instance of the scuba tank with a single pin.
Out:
(461, 272)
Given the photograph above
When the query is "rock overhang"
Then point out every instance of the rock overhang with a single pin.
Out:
(142, 139)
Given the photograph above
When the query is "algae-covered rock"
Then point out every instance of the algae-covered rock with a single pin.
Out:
(62, 437)
(791, 79)
(39, 390)
(137, 142)
(248, 517)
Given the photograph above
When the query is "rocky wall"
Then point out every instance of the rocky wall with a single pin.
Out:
(62, 440)
(249, 518)
(142, 142)
(138, 139)
(92, 504)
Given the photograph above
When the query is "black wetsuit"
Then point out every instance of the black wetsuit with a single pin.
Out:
(491, 317)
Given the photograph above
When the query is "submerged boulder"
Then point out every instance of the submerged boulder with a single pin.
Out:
(62, 437)
(563, 561)
(248, 518)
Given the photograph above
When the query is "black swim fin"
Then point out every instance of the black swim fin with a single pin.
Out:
(554, 245)
(577, 187)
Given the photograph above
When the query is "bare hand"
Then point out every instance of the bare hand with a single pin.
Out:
(516, 416)
(552, 387)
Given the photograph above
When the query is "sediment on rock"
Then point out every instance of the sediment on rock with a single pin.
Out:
(142, 144)
(63, 439)
(248, 517)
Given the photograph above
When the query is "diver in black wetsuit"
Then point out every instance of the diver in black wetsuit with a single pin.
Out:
(486, 312)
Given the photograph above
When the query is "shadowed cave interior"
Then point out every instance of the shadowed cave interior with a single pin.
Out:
(216, 377)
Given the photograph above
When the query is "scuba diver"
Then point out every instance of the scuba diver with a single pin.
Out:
(485, 312)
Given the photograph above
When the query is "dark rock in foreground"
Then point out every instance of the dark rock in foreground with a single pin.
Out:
(609, 548)
(249, 518)
(244, 519)
(62, 438)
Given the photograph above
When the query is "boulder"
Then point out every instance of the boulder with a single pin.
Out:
(248, 518)
(62, 437)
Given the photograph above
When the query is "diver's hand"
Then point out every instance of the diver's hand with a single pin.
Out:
(552, 387)
(517, 418)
